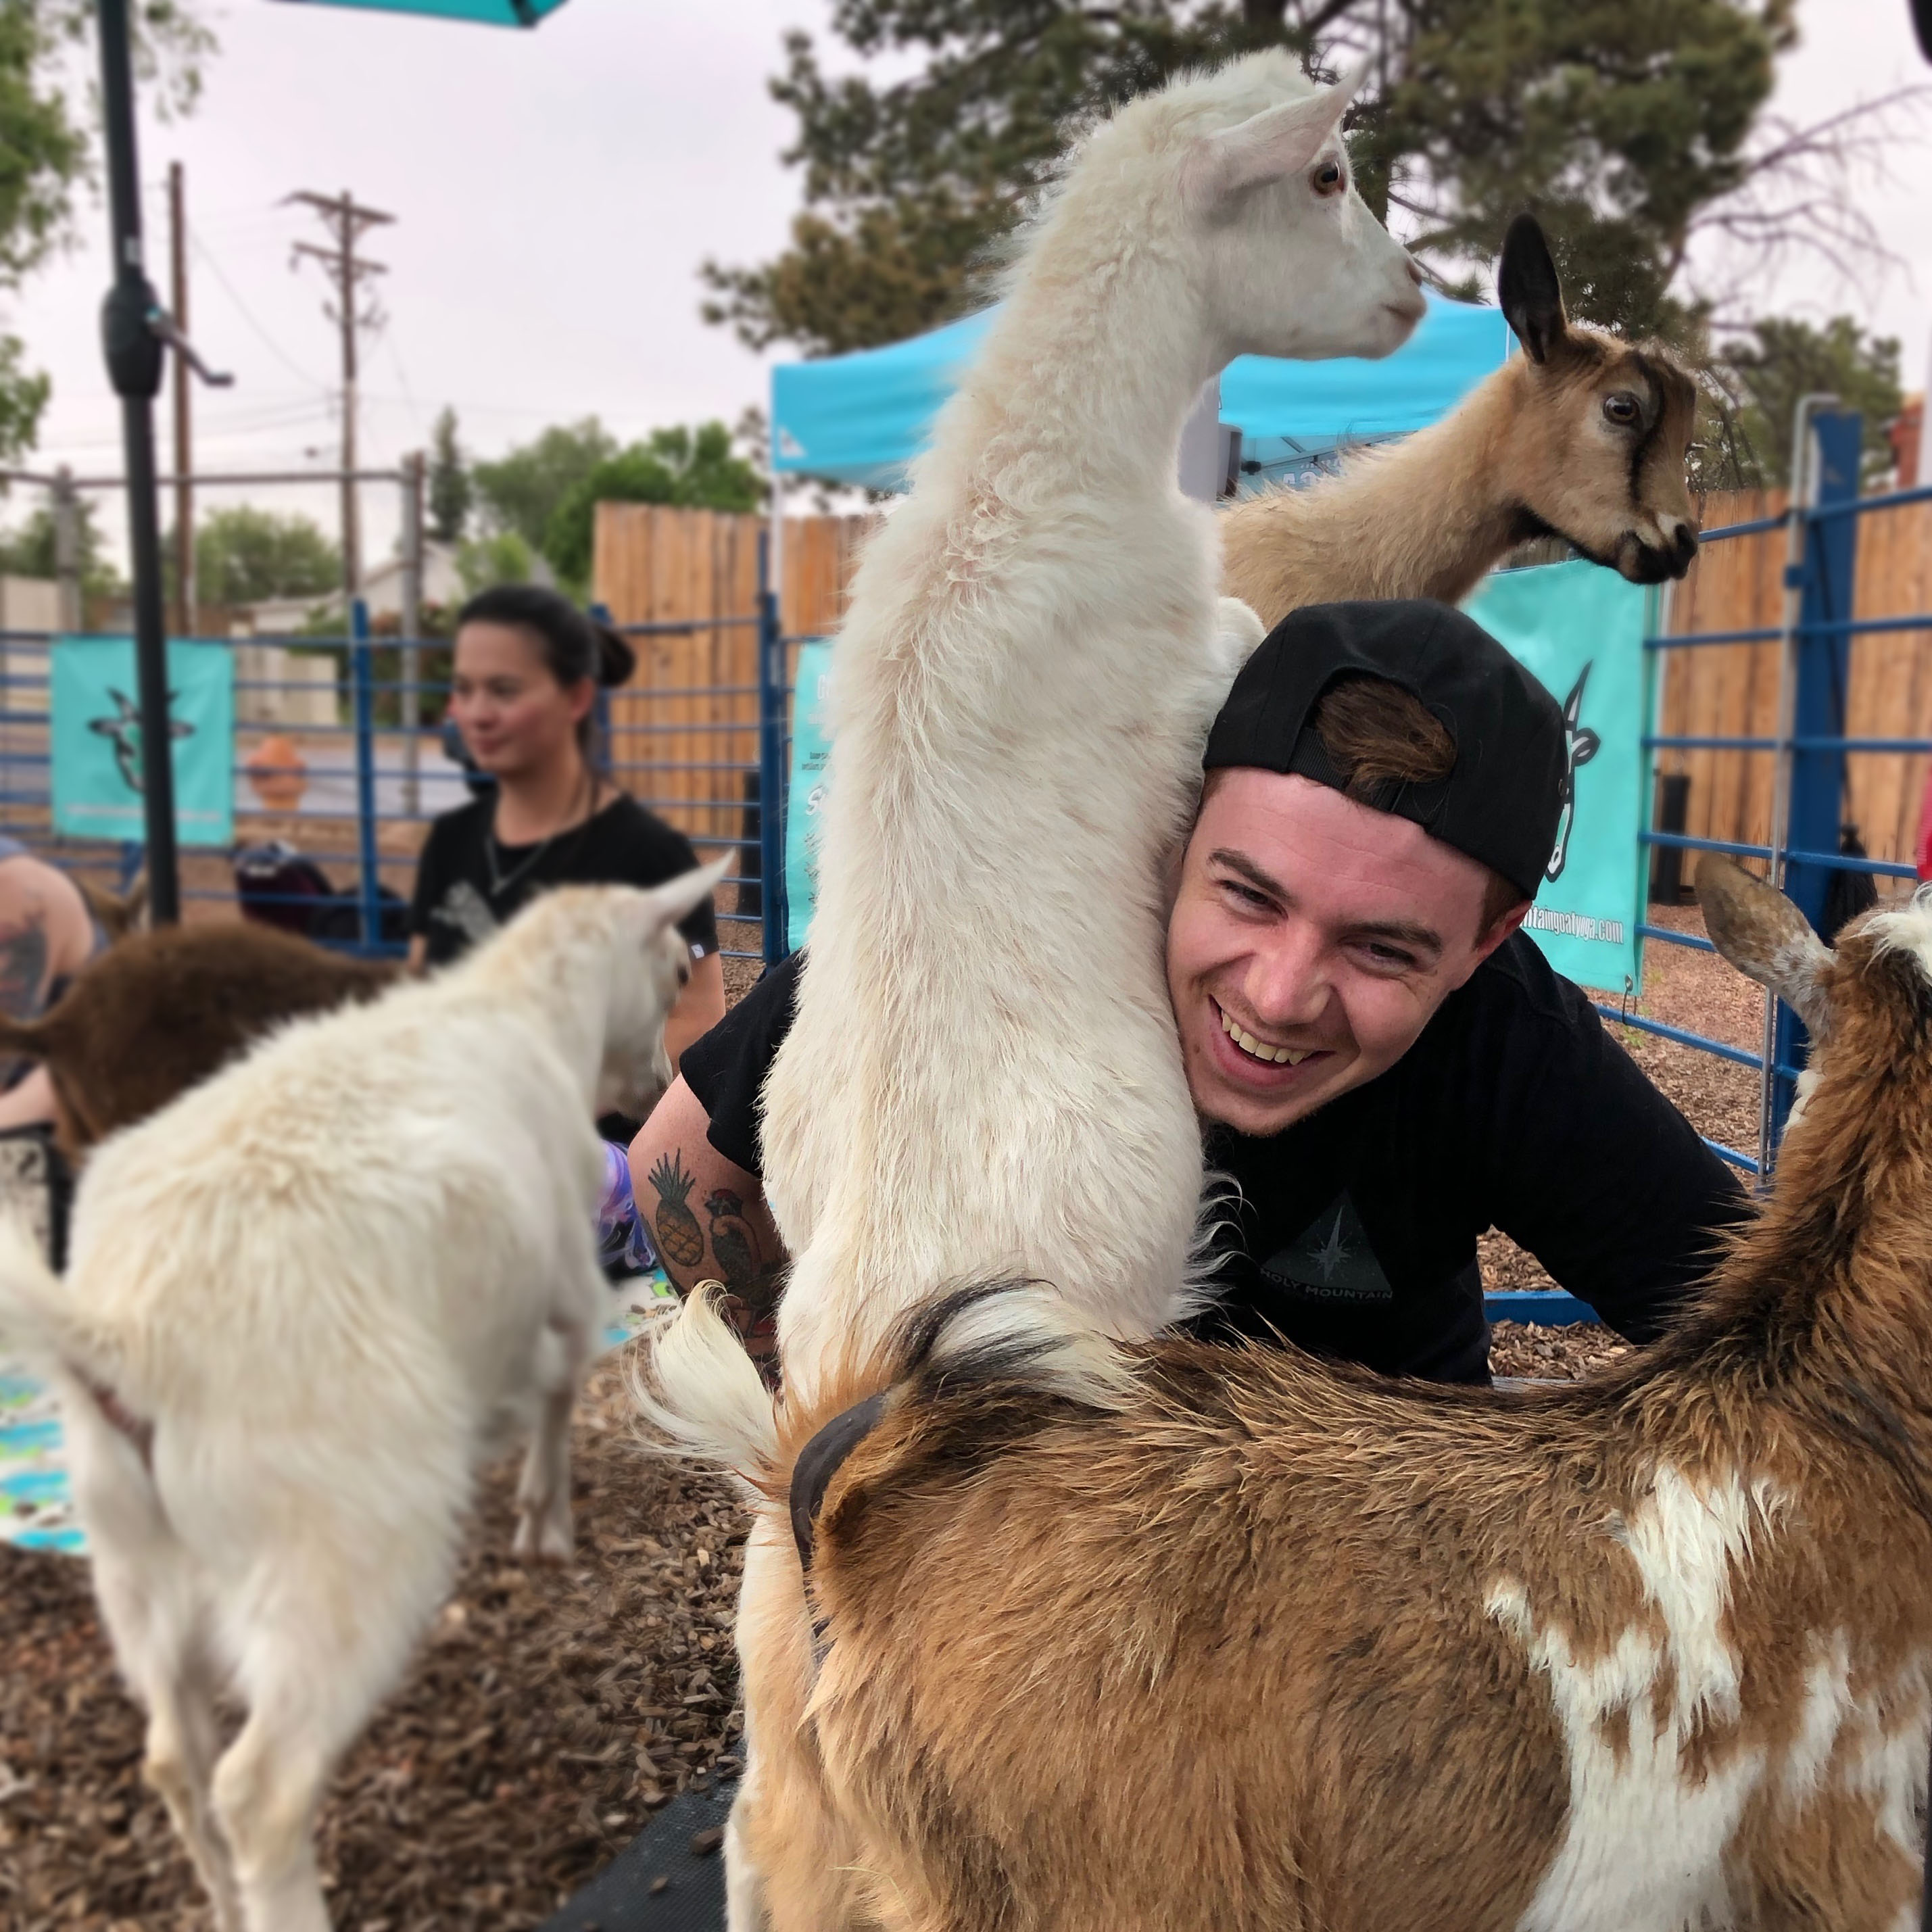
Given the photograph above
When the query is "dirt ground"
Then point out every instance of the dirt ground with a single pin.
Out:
(552, 1711)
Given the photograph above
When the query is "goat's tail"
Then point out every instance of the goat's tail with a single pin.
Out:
(37, 1315)
(1019, 1342)
(703, 1396)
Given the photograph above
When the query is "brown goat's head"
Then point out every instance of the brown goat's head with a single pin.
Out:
(1601, 443)
(1871, 997)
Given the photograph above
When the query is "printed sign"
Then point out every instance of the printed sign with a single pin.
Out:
(1579, 630)
(811, 749)
(96, 730)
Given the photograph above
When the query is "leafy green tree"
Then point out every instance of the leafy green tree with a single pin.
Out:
(696, 468)
(1623, 123)
(521, 490)
(1783, 359)
(501, 557)
(451, 490)
(44, 143)
(31, 550)
(243, 555)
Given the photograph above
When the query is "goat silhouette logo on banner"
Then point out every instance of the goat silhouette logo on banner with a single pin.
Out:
(1579, 629)
(95, 729)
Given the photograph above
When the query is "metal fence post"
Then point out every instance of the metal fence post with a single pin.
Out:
(361, 672)
(410, 625)
(772, 695)
(69, 616)
(1823, 676)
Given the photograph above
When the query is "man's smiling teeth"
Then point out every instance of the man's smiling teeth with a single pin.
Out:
(1282, 1056)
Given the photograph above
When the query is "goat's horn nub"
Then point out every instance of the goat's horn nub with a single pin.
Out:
(820, 1459)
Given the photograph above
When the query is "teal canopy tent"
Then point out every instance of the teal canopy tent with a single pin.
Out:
(860, 419)
(488, 12)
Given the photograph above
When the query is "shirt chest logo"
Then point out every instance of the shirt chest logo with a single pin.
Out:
(1331, 1259)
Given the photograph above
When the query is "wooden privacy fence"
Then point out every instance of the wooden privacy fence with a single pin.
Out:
(1731, 690)
(684, 729)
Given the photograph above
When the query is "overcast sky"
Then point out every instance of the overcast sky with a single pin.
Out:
(555, 192)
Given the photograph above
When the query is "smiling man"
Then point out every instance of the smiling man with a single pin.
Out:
(1385, 1066)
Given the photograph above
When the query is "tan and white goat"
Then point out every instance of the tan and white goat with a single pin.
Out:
(304, 1300)
(1234, 1641)
(1582, 437)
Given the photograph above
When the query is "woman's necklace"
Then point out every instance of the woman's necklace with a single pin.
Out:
(500, 881)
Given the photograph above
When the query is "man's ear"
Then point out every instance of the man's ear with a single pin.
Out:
(1528, 290)
(1268, 146)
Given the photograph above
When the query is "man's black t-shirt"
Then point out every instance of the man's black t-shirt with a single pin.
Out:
(1354, 1232)
(459, 900)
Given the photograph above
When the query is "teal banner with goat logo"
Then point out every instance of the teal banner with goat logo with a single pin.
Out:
(1579, 630)
(804, 797)
(95, 720)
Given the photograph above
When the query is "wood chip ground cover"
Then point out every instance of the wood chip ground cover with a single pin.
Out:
(550, 1711)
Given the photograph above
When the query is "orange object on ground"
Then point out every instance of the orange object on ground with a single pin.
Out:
(277, 773)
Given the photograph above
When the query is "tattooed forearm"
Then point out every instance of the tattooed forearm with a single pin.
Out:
(736, 1245)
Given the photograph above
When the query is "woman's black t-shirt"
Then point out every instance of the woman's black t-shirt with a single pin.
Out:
(461, 898)
(1353, 1234)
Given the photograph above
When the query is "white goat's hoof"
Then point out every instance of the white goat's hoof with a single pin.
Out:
(541, 1540)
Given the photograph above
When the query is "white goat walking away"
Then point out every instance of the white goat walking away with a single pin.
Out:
(984, 1071)
(1212, 1640)
(304, 1300)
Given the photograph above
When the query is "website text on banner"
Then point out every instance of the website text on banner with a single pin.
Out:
(96, 734)
(1579, 629)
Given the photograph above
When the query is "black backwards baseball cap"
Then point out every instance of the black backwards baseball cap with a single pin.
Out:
(1501, 802)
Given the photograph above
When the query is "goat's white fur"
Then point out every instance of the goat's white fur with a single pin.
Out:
(983, 1076)
(327, 1281)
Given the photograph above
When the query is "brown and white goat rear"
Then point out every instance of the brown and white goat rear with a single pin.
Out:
(304, 1300)
(1256, 1643)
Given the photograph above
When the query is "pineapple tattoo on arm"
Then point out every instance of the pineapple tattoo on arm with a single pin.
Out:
(746, 1260)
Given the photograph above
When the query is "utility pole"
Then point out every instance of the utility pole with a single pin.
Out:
(186, 598)
(345, 221)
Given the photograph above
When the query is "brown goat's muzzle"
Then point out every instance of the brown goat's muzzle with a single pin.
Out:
(1644, 563)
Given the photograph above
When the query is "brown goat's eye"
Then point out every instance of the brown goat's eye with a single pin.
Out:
(1621, 407)
(1327, 178)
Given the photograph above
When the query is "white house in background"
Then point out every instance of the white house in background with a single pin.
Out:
(442, 583)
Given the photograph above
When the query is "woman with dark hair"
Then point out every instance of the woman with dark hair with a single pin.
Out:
(527, 668)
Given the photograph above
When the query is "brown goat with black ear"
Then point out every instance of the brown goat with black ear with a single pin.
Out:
(159, 1012)
(1257, 1645)
(1582, 436)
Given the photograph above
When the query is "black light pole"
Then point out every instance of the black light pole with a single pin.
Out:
(135, 348)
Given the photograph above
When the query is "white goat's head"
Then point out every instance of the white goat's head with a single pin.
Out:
(1280, 249)
(652, 967)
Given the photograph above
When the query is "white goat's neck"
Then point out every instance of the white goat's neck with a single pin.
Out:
(1423, 518)
(1091, 370)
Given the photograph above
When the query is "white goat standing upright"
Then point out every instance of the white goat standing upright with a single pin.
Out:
(984, 1075)
(304, 1300)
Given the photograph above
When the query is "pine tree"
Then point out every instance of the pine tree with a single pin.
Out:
(451, 490)
(1620, 122)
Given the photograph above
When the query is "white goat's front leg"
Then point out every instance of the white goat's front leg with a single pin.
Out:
(543, 1493)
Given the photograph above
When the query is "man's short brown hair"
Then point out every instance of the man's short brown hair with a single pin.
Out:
(1373, 731)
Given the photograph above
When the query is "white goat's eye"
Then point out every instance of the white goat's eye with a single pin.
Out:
(1621, 407)
(1327, 178)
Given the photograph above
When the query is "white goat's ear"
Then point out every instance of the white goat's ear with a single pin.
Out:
(670, 901)
(1268, 146)
(1764, 936)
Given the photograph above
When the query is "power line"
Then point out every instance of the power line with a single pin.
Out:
(274, 348)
